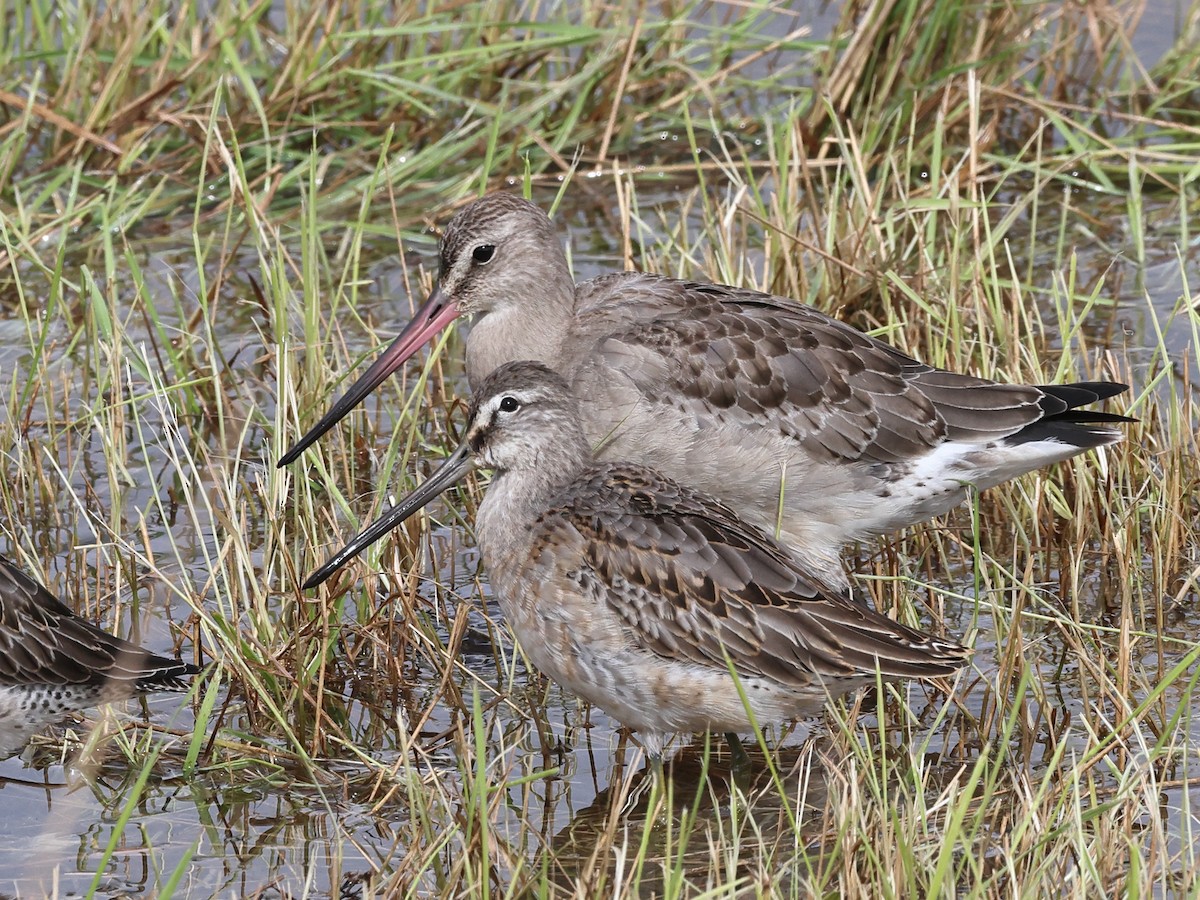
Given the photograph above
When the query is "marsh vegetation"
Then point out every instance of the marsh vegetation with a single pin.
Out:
(212, 214)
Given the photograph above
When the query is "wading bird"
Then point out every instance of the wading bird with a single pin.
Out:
(641, 594)
(52, 662)
(794, 419)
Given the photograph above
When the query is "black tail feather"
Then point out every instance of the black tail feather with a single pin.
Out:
(1064, 422)
(1062, 398)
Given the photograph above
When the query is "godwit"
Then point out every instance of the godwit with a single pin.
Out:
(52, 662)
(792, 418)
(639, 593)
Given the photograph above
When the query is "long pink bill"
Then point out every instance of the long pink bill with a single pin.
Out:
(431, 318)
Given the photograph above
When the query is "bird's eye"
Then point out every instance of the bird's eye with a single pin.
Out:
(483, 253)
(509, 404)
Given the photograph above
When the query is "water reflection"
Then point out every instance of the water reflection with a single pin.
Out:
(675, 820)
(61, 822)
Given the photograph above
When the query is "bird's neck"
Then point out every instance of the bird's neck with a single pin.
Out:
(516, 498)
(522, 330)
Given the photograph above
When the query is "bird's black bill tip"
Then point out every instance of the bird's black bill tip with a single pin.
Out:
(334, 564)
(319, 577)
(456, 466)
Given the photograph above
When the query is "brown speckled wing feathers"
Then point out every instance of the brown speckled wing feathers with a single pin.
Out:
(752, 358)
(695, 583)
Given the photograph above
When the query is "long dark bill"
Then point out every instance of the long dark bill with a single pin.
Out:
(431, 318)
(452, 471)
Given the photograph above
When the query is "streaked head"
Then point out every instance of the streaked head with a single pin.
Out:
(522, 413)
(497, 252)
